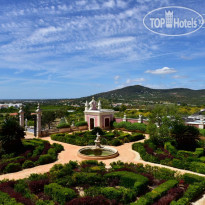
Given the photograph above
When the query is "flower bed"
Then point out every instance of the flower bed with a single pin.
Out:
(90, 183)
(170, 156)
(114, 138)
(36, 152)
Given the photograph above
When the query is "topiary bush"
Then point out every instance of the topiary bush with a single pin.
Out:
(58, 193)
(12, 167)
(81, 123)
(116, 142)
(28, 164)
(46, 159)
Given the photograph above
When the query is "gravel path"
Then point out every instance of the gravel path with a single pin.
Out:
(126, 154)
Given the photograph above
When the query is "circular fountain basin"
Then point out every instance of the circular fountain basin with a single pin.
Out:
(91, 152)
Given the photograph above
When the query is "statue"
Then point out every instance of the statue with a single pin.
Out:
(97, 142)
(92, 104)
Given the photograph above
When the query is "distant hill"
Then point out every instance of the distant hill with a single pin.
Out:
(139, 93)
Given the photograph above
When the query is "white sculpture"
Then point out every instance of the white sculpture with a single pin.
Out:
(92, 104)
(97, 141)
(99, 105)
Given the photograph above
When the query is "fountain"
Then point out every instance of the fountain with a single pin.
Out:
(97, 152)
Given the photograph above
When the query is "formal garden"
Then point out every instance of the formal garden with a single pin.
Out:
(173, 143)
(114, 138)
(89, 182)
(17, 153)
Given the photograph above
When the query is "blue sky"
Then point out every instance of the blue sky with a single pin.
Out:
(68, 49)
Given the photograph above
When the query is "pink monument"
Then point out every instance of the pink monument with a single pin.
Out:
(97, 117)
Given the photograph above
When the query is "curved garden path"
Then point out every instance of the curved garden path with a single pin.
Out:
(126, 154)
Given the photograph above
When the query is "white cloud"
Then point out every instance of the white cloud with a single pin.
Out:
(179, 76)
(116, 77)
(136, 80)
(121, 4)
(162, 71)
(109, 4)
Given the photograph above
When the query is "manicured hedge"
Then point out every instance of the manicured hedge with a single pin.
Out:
(36, 152)
(63, 125)
(80, 178)
(168, 146)
(28, 164)
(194, 161)
(87, 138)
(119, 185)
(59, 193)
(45, 159)
(139, 147)
(198, 167)
(81, 123)
(129, 180)
(192, 178)
(191, 193)
(12, 167)
(120, 194)
(156, 193)
(7, 200)
(130, 126)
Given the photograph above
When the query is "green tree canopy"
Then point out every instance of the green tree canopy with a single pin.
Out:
(10, 136)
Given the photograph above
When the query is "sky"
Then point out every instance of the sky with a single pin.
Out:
(76, 48)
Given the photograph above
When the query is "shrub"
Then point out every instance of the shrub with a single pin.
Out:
(202, 159)
(28, 164)
(6, 199)
(162, 189)
(111, 193)
(143, 201)
(38, 150)
(136, 137)
(109, 135)
(45, 159)
(46, 202)
(63, 125)
(37, 186)
(81, 123)
(177, 163)
(52, 152)
(89, 200)
(139, 147)
(192, 178)
(57, 147)
(12, 167)
(183, 153)
(198, 167)
(116, 142)
(34, 177)
(22, 187)
(199, 152)
(194, 190)
(130, 126)
(129, 180)
(168, 146)
(156, 193)
(81, 178)
(59, 193)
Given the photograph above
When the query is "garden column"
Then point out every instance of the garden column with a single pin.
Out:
(21, 117)
(124, 118)
(38, 121)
